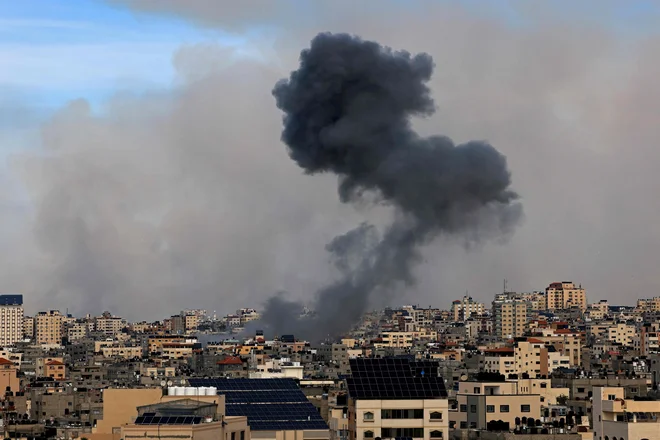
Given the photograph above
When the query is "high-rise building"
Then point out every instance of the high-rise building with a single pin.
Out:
(48, 327)
(28, 327)
(511, 317)
(11, 319)
(462, 309)
(565, 295)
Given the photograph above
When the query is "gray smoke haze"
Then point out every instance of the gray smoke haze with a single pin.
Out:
(347, 111)
(182, 197)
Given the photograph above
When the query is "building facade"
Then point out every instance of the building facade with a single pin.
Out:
(565, 295)
(11, 319)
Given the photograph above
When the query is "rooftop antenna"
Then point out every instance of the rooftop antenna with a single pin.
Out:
(504, 286)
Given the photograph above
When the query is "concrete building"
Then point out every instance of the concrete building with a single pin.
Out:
(8, 378)
(108, 324)
(617, 418)
(11, 319)
(649, 304)
(464, 308)
(621, 333)
(28, 327)
(391, 398)
(481, 402)
(48, 328)
(510, 317)
(565, 295)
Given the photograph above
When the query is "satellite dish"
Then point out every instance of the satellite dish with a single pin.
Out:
(464, 377)
(169, 383)
(75, 389)
(162, 383)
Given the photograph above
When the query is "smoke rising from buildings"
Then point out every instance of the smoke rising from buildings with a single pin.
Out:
(347, 112)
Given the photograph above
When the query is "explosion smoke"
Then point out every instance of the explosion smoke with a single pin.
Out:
(347, 111)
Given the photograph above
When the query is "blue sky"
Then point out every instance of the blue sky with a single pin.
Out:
(54, 51)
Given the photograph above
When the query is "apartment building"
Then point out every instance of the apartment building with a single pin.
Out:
(649, 337)
(618, 418)
(511, 317)
(536, 359)
(77, 330)
(395, 339)
(394, 398)
(536, 299)
(11, 319)
(565, 295)
(463, 309)
(28, 327)
(48, 328)
(499, 360)
(622, 333)
(109, 324)
(480, 402)
(53, 367)
(649, 304)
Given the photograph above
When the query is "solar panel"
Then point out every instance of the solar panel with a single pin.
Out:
(224, 384)
(168, 420)
(395, 378)
(265, 396)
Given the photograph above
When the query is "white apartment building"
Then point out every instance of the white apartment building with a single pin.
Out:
(11, 319)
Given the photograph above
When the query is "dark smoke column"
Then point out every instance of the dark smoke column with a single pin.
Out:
(347, 111)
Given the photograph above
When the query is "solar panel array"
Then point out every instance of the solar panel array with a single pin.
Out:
(168, 420)
(394, 378)
(223, 384)
(274, 396)
(269, 404)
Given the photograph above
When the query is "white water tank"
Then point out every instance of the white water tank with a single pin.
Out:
(190, 391)
(178, 391)
(201, 391)
(170, 391)
(208, 391)
(212, 391)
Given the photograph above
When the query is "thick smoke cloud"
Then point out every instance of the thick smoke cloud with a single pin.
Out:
(347, 112)
(200, 207)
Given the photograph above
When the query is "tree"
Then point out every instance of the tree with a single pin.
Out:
(562, 399)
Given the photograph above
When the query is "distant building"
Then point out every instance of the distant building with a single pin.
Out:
(11, 319)
(510, 317)
(615, 417)
(465, 308)
(565, 295)
(48, 328)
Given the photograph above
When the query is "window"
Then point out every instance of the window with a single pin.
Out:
(368, 415)
(473, 409)
(436, 415)
(477, 390)
(402, 432)
(463, 425)
(544, 385)
(436, 434)
(402, 413)
(233, 436)
(368, 434)
(525, 408)
(490, 408)
(504, 408)
(463, 408)
(611, 397)
(242, 435)
(580, 390)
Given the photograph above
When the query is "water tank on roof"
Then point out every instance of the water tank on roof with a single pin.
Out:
(213, 391)
(178, 391)
(190, 391)
(171, 391)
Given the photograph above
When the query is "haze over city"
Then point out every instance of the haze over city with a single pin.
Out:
(144, 170)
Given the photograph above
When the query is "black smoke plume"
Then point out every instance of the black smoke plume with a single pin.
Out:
(347, 111)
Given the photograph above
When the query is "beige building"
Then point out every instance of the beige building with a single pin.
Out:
(48, 328)
(121, 351)
(617, 418)
(535, 299)
(621, 333)
(28, 327)
(421, 419)
(649, 305)
(108, 324)
(11, 319)
(464, 308)
(76, 331)
(482, 402)
(511, 317)
(395, 339)
(534, 358)
(565, 295)
(50, 367)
